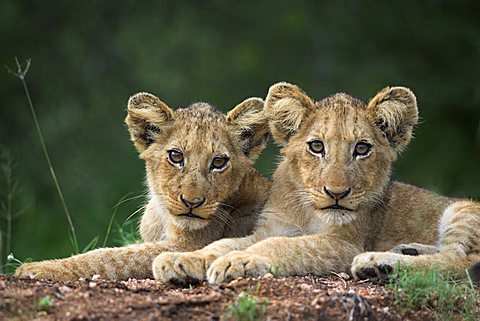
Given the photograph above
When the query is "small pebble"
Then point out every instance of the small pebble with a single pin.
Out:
(305, 286)
(64, 289)
(92, 284)
(268, 276)
(95, 277)
(344, 276)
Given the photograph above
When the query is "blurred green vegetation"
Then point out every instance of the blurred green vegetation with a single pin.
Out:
(89, 56)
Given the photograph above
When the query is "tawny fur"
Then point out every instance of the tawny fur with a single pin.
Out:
(382, 215)
(233, 196)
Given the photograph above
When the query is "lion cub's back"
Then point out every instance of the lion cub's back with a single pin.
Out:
(411, 215)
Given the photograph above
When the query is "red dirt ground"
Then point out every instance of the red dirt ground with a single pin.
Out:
(288, 298)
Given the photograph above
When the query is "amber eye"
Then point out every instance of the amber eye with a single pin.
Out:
(362, 149)
(175, 157)
(316, 147)
(219, 163)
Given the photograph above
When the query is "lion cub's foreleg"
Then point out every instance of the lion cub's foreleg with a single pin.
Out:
(459, 247)
(316, 254)
(133, 261)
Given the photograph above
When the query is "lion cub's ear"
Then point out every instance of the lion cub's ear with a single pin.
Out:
(251, 126)
(394, 110)
(147, 117)
(286, 106)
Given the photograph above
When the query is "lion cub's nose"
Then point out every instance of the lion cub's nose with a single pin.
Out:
(193, 203)
(335, 194)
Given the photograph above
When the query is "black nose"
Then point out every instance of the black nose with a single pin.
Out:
(337, 195)
(193, 203)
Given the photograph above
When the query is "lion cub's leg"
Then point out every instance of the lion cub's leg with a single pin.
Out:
(317, 254)
(415, 249)
(133, 261)
(459, 247)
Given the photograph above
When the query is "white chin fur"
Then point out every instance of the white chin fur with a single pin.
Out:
(335, 217)
(186, 223)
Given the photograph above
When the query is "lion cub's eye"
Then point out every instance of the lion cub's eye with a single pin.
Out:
(362, 149)
(219, 163)
(316, 147)
(175, 157)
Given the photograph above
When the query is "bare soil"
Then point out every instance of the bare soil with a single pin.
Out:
(288, 298)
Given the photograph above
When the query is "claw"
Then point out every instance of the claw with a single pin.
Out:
(370, 272)
(385, 268)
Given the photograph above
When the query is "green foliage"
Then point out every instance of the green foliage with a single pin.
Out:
(114, 215)
(247, 308)
(9, 208)
(413, 289)
(91, 245)
(20, 74)
(127, 233)
(45, 302)
(275, 270)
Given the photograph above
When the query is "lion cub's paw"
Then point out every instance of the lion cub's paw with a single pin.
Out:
(415, 249)
(189, 267)
(237, 264)
(374, 266)
(46, 270)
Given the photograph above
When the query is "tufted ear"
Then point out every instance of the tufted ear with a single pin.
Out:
(147, 117)
(286, 106)
(251, 126)
(394, 110)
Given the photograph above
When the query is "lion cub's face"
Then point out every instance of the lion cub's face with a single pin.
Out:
(340, 150)
(195, 157)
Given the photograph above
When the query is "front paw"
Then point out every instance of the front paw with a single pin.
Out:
(189, 267)
(374, 266)
(237, 264)
(46, 270)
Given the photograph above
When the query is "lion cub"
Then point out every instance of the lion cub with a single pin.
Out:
(202, 183)
(333, 198)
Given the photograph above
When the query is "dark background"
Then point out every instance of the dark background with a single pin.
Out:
(89, 56)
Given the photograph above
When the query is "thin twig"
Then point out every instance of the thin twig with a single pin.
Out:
(470, 280)
(21, 73)
(341, 278)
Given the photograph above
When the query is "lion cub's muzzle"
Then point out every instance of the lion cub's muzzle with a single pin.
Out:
(191, 204)
(336, 195)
